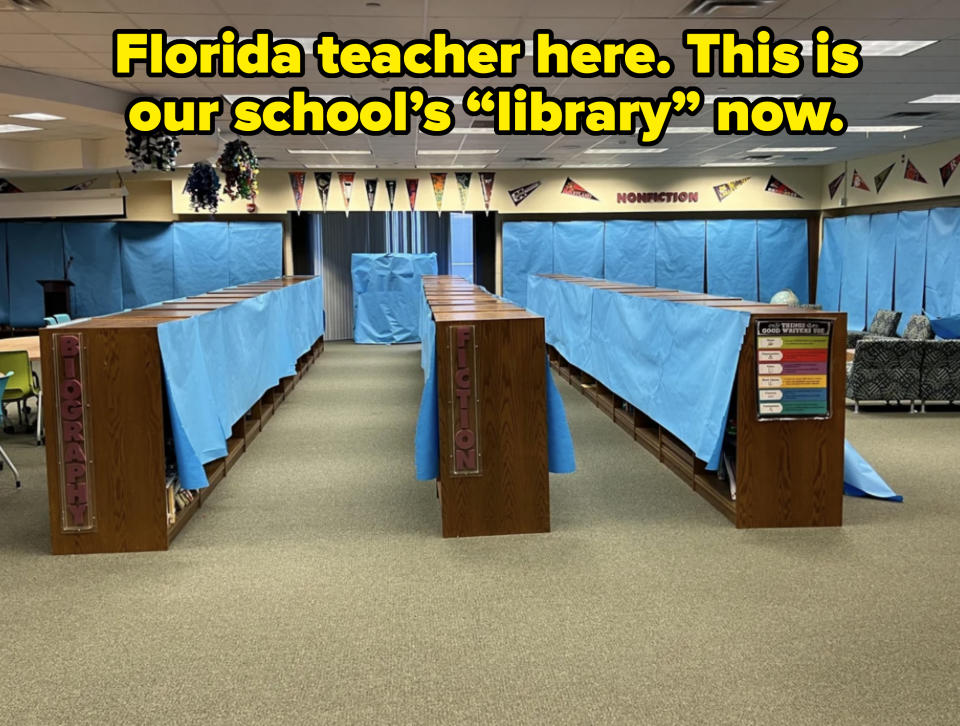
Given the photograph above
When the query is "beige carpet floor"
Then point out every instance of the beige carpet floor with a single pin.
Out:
(314, 587)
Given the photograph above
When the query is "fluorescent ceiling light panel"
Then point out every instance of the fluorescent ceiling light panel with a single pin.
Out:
(453, 166)
(879, 129)
(711, 97)
(37, 116)
(877, 48)
(739, 163)
(598, 165)
(790, 149)
(457, 152)
(328, 166)
(470, 130)
(16, 128)
(609, 150)
(939, 98)
(333, 152)
(233, 98)
(690, 130)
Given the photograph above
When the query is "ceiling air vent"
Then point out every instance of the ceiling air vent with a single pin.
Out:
(534, 159)
(27, 5)
(482, 123)
(912, 114)
(729, 8)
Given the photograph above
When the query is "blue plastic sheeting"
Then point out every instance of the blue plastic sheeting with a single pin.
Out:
(630, 252)
(527, 250)
(427, 437)
(881, 263)
(218, 364)
(681, 247)
(830, 268)
(943, 262)
(201, 252)
(853, 285)
(782, 257)
(146, 256)
(560, 456)
(4, 288)
(732, 258)
(651, 353)
(387, 291)
(947, 328)
(860, 479)
(578, 248)
(95, 269)
(34, 252)
(256, 251)
(911, 263)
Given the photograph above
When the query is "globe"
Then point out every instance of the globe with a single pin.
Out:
(785, 297)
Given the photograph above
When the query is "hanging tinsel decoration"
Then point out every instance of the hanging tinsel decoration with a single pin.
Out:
(203, 186)
(239, 166)
(152, 151)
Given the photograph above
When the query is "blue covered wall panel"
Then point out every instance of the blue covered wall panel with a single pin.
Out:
(830, 266)
(881, 263)
(256, 251)
(911, 264)
(200, 257)
(853, 278)
(578, 248)
(732, 257)
(146, 256)
(783, 258)
(681, 248)
(34, 252)
(943, 262)
(630, 251)
(527, 250)
(95, 269)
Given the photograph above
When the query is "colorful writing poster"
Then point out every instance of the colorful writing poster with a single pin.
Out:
(793, 368)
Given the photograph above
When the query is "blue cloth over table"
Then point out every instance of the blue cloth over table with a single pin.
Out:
(386, 296)
(218, 364)
(427, 439)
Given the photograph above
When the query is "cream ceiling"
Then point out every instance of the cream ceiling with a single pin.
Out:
(74, 42)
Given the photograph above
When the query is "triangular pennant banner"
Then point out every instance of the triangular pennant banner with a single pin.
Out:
(371, 187)
(913, 173)
(323, 187)
(778, 187)
(857, 182)
(412, 186)
(297, 179)
(520, 193)
(727, 188)
(880, 179)
(835, 184)
(946, 171)
(463, 186)
(6, 187)
(391, 191)
(346, 188)
(486, 187)
(573, 189)
(439, 184)
(79, 187)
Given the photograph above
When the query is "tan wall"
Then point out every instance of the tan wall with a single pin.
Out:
(896, 189)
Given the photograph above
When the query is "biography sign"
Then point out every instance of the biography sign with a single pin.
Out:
(793, 368)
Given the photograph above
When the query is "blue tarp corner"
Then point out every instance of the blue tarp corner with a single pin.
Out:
(860, 479)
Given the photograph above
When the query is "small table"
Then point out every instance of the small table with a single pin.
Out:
(29, 343)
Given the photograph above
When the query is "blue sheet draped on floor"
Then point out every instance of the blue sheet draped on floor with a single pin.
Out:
(651, 353)
(427, 439)
(218, 364)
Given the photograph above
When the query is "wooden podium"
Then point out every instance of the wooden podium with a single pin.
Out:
(56, 297)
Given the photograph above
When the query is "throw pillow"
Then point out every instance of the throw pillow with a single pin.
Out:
(918, 328)
(885, 323)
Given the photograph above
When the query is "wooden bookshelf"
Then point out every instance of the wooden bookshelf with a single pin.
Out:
(491, 386)
(789, 473)
(125, 424)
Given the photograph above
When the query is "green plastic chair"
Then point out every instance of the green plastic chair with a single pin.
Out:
(61, 318)
(47, 322)
(4, 380)
(22, 385)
